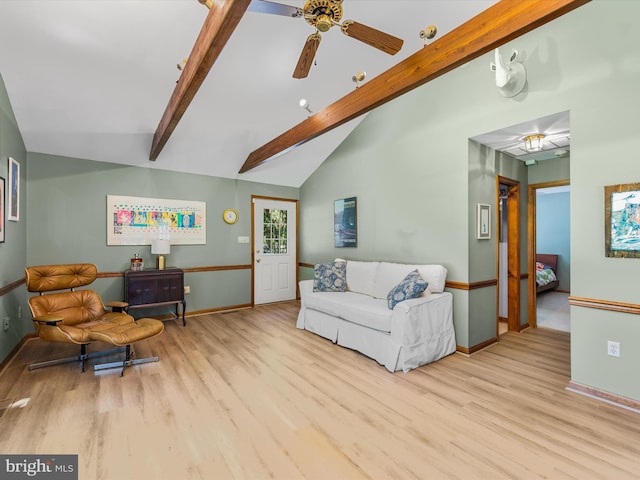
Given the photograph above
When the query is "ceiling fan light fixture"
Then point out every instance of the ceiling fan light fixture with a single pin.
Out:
(533, 143)
(323, 23)
(322, 14)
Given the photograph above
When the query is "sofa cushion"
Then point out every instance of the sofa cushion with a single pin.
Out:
(367, 311)
(329, 302)
(391, 274)
(330, 277)
(361, 276)
(411, 286)
(435, 276)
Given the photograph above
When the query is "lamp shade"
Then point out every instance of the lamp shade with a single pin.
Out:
(160, 247)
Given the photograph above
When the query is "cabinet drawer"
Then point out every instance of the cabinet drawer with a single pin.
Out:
(141, 292)
(170, 289)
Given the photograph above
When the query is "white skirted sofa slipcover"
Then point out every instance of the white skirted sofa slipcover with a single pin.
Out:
(414, 332)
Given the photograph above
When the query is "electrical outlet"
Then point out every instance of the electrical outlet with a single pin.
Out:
(187, 289)
(613, 349)
(5, 323)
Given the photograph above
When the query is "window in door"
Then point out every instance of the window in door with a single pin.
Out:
(275, 231)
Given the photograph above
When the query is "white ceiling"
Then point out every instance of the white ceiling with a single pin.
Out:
(510, 140)
(91, 79)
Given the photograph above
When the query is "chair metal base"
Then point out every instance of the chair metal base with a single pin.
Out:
(127, 362)
(77, 358)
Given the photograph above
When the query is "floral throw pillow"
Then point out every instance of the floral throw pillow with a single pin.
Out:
(330, 277)
(410, 287)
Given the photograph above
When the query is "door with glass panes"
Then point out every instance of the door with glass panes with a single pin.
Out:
(274, 250)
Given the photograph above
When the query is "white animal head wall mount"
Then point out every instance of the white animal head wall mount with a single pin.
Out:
(511, 75)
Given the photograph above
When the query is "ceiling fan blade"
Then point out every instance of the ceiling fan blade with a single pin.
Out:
(263, 6)
(307, 55)
(377, 39)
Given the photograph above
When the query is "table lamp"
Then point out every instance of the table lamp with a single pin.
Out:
(160, 248)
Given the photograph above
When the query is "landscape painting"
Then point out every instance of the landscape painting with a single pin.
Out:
(622, 220)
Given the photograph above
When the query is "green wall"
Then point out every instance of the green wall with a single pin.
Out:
(418, 177)
(13, 251)
(67, 223)
(604, 137)
(550, 170)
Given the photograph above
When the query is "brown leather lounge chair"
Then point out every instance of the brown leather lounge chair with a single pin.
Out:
(80, 317)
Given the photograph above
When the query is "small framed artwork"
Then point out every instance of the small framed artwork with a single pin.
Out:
(345, 220)
(2, 211)
(484, 221)
(622, 220)
(14, 190)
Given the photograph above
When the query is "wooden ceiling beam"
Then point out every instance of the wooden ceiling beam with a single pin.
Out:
(222, 20)
(500, 23)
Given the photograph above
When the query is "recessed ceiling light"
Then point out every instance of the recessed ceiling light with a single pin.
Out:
(561, 153)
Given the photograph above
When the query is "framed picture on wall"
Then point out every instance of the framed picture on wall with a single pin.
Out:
(140, 220)
(622, 220)
(2, 211)
(14, 190)
(484, 221)
(345, 221)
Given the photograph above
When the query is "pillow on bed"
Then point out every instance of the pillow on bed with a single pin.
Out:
(410, 287)
(330, 277)
(542, 266)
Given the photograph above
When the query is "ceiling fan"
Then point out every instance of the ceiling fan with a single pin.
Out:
(322, 15)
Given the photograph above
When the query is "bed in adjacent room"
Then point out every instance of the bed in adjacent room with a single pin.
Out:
(546, 272)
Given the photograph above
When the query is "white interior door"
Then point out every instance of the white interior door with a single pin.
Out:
(275, 250)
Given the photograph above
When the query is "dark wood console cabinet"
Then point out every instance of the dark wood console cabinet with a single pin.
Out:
(153, 288)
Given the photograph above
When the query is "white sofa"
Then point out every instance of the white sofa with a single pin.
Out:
(416, 332)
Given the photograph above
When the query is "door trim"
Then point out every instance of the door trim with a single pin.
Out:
(531, 259)
(253, 253)
(513, 255)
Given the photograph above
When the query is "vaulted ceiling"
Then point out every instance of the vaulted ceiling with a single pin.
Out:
(92, 79)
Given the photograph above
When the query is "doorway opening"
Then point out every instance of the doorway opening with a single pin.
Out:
(555, 132)
(554, 311)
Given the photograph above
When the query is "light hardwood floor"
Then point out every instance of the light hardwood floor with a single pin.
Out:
(247, 395)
